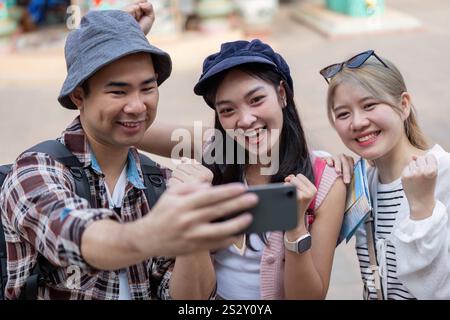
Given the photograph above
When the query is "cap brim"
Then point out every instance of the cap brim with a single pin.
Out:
(224, 65)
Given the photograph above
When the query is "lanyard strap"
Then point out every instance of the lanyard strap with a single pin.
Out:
(372, 255)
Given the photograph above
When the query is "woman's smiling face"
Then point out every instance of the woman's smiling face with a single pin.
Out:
(367, 126)
(251, 109)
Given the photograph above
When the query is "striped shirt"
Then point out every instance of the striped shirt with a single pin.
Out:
(391, 203)
(42, 215)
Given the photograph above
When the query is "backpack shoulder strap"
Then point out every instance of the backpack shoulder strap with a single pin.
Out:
(3, 262)
(61, 154)
(154, 187)
(56, 150)
(153, 180)
(4, 170)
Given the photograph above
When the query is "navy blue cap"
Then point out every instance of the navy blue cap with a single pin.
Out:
(236, 53)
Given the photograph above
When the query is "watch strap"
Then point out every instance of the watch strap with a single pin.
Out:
(300, 245)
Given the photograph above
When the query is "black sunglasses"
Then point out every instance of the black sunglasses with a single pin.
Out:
(354, 62)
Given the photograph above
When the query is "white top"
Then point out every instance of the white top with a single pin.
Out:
(115, 201)
(238, 277)
(414, 253)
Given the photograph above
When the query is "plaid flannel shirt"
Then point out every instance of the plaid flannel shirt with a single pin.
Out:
(42, 215)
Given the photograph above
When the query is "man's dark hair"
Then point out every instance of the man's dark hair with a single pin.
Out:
(85, 87)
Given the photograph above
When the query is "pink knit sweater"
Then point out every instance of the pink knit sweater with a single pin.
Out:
(272, 261)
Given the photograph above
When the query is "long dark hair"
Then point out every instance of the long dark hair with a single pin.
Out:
(294, 154)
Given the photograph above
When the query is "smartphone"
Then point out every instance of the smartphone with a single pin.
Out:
(276, 209)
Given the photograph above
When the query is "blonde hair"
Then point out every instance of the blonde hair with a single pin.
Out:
(384, 84)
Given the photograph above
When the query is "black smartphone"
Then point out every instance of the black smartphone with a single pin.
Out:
(276, 209)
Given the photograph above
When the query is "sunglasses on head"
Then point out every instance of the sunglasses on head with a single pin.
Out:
(354, 62)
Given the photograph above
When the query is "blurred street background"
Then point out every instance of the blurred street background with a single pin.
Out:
(310, 34)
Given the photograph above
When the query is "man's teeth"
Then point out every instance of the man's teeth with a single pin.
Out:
(368, 137)
(130, 124)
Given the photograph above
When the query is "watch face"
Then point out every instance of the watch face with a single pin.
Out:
(304, 244)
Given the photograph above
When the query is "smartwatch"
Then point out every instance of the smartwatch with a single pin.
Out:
(300, 245)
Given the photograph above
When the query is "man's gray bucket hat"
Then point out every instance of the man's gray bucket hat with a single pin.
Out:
(103, 37)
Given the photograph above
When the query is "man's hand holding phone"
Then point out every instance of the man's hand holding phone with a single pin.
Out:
(277, 208)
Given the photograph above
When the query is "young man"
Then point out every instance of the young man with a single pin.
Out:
(114, 250)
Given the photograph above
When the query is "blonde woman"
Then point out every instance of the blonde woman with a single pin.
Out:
(371, 110)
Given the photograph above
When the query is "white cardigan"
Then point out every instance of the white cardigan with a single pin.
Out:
(423, 246)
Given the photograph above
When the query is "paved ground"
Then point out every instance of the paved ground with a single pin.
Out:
(30, 81)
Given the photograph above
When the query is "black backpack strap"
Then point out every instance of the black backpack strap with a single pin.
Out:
(153, 180)
(30, 291)
(4, 170)
(3, 260)
(41, 270)
(155, 186)
(61, 154)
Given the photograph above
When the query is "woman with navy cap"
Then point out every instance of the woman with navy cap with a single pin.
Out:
(250, 88)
